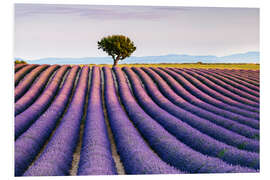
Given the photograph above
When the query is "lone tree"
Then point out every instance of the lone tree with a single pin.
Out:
(117, 46)
(17, 61)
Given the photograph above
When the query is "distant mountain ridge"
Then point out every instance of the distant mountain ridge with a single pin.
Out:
(249, 57)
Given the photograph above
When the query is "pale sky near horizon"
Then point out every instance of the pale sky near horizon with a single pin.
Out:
(46, 30)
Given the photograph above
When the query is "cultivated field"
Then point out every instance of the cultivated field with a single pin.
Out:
(91, 120)
(240, 66)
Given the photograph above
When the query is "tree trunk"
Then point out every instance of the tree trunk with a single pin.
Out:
(116, 61)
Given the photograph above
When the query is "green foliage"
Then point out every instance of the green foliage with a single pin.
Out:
(20, 62)
(117, 46)
(222, 153)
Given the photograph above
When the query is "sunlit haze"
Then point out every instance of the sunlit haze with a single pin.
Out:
(43, 30)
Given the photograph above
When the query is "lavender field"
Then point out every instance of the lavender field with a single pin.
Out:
(82, 120)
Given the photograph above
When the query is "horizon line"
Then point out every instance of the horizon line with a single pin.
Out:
(132, 56)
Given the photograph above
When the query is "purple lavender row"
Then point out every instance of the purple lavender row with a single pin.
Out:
(244, 93)
(255, 73)
(18, 67)
(57, 156)
(227, 86)
(253, 76)
(182, 103)
(216, 95)
(248, 74)
(232, 83)
(96, 157)
(246, 71)
(26, 83)
(240, 78)
(209, 99)
(191, 136)
(222, 90)
(249, 77)
(24, 120)
(22, 72)
(168, 147)
(244, 74)
(36, 89)
(182, 92)
(135, 154)
(213, 92)
(250, 71)
(217, 132)
(244, 83)
(30, 143)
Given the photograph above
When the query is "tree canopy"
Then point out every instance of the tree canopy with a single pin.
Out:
(117, 46)
(19, 61)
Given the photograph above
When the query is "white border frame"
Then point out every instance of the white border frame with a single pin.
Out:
(7, 89)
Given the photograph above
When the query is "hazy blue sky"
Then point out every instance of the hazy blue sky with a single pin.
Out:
(73, 30)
